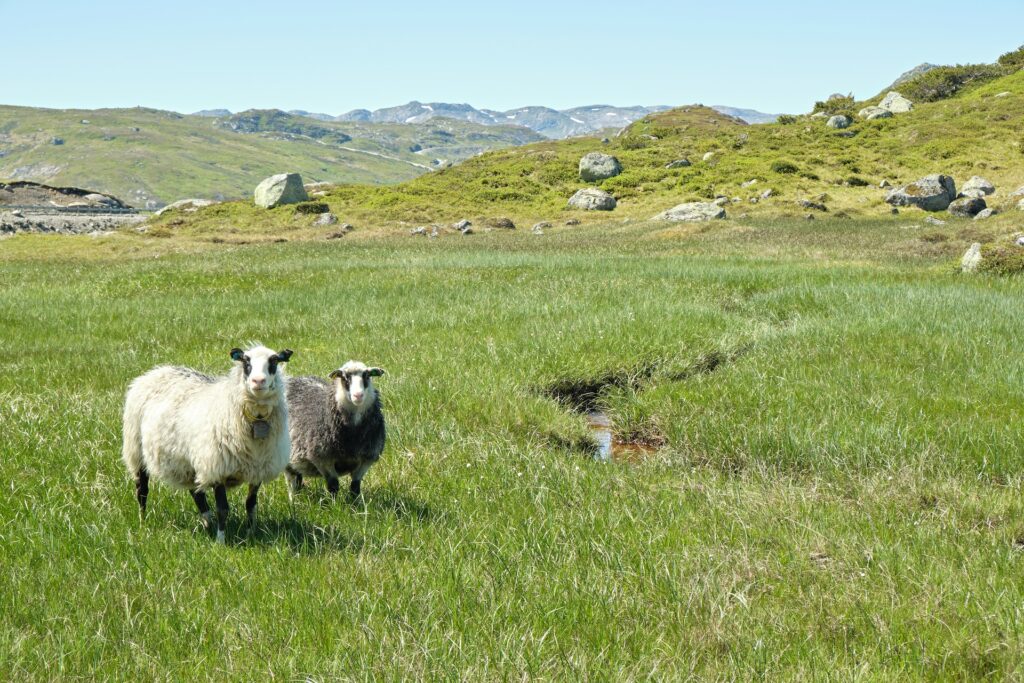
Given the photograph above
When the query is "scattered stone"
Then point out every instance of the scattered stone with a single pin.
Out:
(985, 213)
(592, 199)
(468, 230)
(809, 217)
(336, 235)
(683, 163)
(931, 193)
(977, 187)
(972, 259)
(84, 122)
(283, 188)
(433, 232)
(932, 220)
(1020, 205)
(735, 200)
(819, 115)
(1005, 93)
(692, 212)
(572, 221)
(815, 206)
(767, 193)
(748, 183)
(896, 103)
(968, 207)
(839, 122)
(894, 211)
(709, 156)
(461, 225)
(1020, 241)
(605, 141)
(18, 213)
(57, 141)
(421, 230)
(347, 227)
(754, 200)
(185, 205)
(541, 226)
(885, 184)
(326, 219)
(872, 113)
(503, 223)
(596, 166)
(1019, 192)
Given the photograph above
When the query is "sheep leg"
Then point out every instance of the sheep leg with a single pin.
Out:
(142, 491)
(220, 494)
(294, 480)
(355, 488)
(333, 485)
(204, 507)
(250, 506)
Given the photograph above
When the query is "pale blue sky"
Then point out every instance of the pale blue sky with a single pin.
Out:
(776, 56)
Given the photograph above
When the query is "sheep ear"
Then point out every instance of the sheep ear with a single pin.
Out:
(237, 354)
(375, 372)
(284, 355)
(335, 374)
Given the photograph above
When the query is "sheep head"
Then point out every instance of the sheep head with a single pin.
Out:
(259, 367)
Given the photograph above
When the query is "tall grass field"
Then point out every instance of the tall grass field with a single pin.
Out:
(834, 490)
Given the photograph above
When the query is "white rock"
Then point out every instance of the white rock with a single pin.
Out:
(896, 103)
(692, 212)
(972, 259)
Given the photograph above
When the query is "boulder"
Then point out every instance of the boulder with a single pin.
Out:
(971, 259)
(872, 113)
(967, 207)
(977, 187)
(462, 225)
(985, 213)
(187, 205)
(816, 206)
(896, 103)
(767, 193)
(692, 212)
(596, 166)
(503, 223)
(572, 221)
(683, 163)
(592, 199)
(326, 219)
(839, 121)
(931, 193)
(283, 188)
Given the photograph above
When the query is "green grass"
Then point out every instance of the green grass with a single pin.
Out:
(839, 498)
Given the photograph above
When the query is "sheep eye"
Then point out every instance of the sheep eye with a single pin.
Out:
(366, 377)
(272, 366)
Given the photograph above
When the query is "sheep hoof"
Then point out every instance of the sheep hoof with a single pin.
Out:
(206, 519)
(220, 537)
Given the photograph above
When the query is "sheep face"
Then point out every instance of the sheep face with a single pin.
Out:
(259, 369)
(352, 384)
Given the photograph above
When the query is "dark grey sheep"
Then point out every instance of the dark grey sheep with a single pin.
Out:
(336, 427)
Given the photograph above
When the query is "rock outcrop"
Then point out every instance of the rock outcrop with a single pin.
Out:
(596, 166)
(896, 103)
(692, 212)
(931, 193)
(592, 199)
(280, 189)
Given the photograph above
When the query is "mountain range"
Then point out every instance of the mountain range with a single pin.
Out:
(551, 123)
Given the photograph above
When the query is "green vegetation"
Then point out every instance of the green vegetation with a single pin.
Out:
(838, 485)
(841, 104)
(142, 154)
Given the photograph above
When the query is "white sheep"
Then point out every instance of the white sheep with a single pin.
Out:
(336, 428)
(197, 432)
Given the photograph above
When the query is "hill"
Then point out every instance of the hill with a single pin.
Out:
(147, 156)
(976, 130)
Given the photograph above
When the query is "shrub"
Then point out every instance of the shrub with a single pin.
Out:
(837, 104)
(854, 181)
(786, 119)
(784, 167)
(1013, 61)
(634, 142)
(1004, 258)
(946, 81)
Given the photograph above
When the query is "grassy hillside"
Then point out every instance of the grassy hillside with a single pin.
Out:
(142, 154)
(837, 486)
(973, 133)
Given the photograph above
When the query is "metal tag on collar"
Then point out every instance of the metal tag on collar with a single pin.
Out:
(260, 429)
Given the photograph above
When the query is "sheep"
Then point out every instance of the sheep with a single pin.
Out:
(336, 427)
(197, 432)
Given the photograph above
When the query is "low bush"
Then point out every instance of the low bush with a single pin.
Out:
(946, 81)
(784, 167)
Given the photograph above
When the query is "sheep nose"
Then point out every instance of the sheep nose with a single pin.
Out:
(258, 382)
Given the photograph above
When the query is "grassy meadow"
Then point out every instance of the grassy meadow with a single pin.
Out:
(835, 492)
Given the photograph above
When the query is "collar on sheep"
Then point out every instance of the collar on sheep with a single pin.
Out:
(254, 412)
